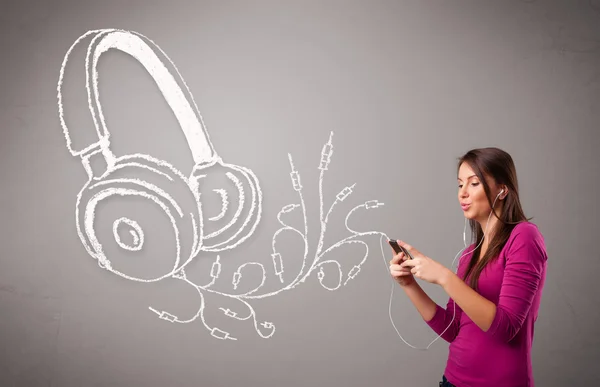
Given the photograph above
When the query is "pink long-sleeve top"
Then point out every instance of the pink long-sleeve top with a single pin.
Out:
(501, 356)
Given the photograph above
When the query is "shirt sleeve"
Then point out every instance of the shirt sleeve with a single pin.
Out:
(523, 274)
(442, 322)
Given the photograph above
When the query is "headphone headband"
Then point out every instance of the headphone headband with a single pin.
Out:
(175, 91)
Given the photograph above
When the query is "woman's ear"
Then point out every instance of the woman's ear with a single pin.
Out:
(503, 192)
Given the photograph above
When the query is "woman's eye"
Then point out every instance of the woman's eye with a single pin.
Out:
(474, 184)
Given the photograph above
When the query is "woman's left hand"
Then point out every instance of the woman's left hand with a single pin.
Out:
(424, 267)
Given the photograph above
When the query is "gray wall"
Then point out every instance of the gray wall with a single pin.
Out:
(406, 87)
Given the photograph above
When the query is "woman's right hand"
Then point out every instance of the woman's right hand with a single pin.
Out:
(402, 275)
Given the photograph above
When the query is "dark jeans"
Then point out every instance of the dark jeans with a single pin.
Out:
(445, 382)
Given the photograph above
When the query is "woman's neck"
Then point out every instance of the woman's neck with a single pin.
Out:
(489, 224)
(488, 227)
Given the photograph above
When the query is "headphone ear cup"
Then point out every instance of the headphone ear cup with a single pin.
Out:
(140, 220)
(230, 202)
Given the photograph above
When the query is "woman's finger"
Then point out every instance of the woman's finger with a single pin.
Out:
(410, 248)
(397, 258)
(408, 263)
(396, 267)
(399, 268)
(405, 245)
(400, 273)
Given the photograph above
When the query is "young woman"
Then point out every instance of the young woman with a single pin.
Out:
(495, 296)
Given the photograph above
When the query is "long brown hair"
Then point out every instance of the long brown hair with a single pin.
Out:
(497, 165)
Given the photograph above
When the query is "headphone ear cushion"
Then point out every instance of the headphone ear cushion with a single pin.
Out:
(140, 220)
(231, 204)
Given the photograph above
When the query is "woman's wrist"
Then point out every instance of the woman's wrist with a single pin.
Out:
(412, 285)
(447, 276)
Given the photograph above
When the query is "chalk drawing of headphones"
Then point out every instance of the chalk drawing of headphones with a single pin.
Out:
(161, 183)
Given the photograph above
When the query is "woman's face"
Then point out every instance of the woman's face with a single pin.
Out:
(471, 195)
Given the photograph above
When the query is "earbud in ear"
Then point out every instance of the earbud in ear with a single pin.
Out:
(502, 191)
(499, 193)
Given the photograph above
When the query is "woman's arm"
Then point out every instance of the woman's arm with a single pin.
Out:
(424, 304)
(522, 278)
(444, 322)
(479, 309)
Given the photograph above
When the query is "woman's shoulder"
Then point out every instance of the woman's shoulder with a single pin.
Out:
(526, 229)
(526, 236)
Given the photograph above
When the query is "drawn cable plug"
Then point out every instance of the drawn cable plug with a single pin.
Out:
(220, 334)
(236, 279)
(289, 208)
(345, 192)
(372, 204)
(216, 268)
(326, 154)
(321, 274)
(164, 315)
(294, 175)
(278, 265)
(229, 313)
(354, 272)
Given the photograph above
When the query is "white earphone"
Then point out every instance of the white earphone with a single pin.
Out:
(180, 196)
(454, 304)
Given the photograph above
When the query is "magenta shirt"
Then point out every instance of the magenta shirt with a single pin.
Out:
(514, 282)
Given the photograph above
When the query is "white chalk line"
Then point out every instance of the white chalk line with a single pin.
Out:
(278, 267)
(102, 186)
